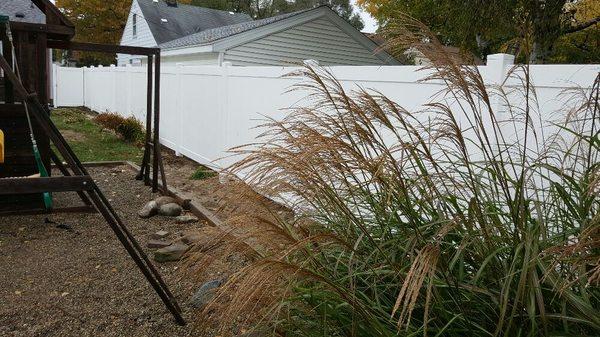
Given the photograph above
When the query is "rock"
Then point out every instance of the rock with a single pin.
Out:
(183, 219)
(206, 293)
(154, 244)
(171, 209)
(190, 238)
(159, 235)
(160, 201)
(149, 210)
(173, 252)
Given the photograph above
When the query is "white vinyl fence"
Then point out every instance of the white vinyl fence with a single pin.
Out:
(206, 110)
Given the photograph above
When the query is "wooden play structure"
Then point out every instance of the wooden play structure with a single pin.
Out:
(27, 132)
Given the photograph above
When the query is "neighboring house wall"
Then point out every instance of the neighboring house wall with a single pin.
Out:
(319, 39)
(201, 59)
(143, 38)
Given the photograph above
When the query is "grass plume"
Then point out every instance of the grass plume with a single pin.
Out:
(447, 221)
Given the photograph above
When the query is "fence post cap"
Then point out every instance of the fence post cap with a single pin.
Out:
(501, 57)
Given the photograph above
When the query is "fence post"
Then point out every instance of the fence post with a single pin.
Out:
(114, 90)
(92, 101)
(179, 110)
(225, 104)
(54, 84)
(499, 65)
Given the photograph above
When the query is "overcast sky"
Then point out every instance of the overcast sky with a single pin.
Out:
(370, 23)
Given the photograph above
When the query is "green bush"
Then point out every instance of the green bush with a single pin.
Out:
(203, 173)
(424, 223)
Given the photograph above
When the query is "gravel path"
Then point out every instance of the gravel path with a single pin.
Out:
(80, 281)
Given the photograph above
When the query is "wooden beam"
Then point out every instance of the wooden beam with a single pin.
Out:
(102, 48)
(41, 28)
(49, 8)
(72, 209)
(41, 185)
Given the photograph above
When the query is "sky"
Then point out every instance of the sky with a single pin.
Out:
(370, 23)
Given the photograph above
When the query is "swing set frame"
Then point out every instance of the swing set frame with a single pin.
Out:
(33, 42)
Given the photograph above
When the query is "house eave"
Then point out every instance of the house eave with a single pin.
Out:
(187, 50)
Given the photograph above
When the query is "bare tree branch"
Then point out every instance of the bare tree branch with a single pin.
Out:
(582, 26)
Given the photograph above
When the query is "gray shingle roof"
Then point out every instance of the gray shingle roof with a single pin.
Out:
(184, 20)
(215, 34)
(30, 11)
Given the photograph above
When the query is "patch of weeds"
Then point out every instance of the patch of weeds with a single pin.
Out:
(91, 141)
(203, 173)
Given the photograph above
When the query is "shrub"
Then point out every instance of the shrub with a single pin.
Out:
(130, 129)
(428, 222)
(109, 120)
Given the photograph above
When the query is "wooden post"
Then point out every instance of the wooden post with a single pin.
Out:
(145, 167)
(156, 141)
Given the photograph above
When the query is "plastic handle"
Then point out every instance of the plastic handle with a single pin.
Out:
(1, 147)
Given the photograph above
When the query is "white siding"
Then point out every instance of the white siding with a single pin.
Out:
(319, 40)
(202, 59)
(144, 36)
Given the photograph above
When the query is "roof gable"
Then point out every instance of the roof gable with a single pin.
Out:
(218, 33)
(168, 23)
(223, 38)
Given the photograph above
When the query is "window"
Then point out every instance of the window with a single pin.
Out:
(134, 25)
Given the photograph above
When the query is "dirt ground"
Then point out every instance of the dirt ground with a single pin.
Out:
(68, 275)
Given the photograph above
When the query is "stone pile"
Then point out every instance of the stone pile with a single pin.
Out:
(172, 250)
(165, 206)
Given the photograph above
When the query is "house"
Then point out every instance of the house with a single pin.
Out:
(152, 23)
(211, 37)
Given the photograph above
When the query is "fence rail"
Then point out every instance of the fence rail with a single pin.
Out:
(206, 110)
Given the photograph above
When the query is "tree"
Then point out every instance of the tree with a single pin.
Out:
(260, 9)
(97, 21)
(530, 28)
(582, 46)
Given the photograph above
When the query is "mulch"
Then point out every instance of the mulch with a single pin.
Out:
(68, 275)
